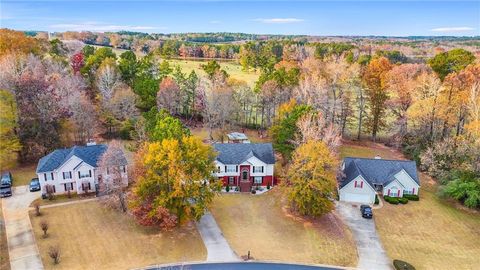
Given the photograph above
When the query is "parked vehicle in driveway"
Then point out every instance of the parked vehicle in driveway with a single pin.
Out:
(34, 185)
(366, 211)
(6, 185)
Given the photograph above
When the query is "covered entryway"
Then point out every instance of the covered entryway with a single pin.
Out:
(245, 183)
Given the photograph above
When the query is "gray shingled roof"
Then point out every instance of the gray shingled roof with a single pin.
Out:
(376, 171)
(236, 153)
(89, 154)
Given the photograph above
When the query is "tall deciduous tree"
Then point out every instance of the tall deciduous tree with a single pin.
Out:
(169, 96)
(113, 180)
(9, 142)
(174, 182)
(374, 79)
(311, 179)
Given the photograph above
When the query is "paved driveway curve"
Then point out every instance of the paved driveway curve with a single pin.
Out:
(371, 254)
(218, 249)
(22, 248)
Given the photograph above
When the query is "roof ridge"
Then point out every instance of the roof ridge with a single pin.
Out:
(382, 159)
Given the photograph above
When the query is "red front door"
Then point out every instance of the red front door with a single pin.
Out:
(245, 183)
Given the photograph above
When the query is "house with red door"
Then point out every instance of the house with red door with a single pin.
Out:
(363, 178)
(245, 165)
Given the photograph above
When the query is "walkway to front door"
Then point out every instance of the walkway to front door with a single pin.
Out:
(245, 183)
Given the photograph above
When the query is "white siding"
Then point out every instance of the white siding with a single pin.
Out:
(364, 194)
(394, 188)
(407, 182)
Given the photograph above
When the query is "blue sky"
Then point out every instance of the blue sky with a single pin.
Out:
(391, 18)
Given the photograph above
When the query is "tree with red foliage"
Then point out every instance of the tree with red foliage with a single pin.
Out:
(77, 62)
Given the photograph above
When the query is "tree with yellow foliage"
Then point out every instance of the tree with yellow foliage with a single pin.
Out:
(311, 180)
(174, 182)
(9, 142)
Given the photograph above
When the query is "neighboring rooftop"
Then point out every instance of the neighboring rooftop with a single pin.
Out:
(237, 136)
(376, 170)
(89, 154)
(236, 153)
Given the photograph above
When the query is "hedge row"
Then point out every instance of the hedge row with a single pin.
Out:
(411, 197)
(391, 200)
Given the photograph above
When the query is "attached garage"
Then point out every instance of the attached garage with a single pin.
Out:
(352, 197)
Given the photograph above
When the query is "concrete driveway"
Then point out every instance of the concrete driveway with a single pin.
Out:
(218, 249)
(22, 248)
(371, 254)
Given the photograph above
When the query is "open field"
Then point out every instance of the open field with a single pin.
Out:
(23, 174)
(231, 67)
(93, 237)
(4, 259)
(260, 225)
(430, 233)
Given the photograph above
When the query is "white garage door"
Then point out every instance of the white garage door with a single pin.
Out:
(361, 198)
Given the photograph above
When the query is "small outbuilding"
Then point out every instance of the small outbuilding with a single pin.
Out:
(237, 137)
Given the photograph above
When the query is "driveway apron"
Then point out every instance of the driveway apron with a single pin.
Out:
(218, 249)
(371, 254)
(22, 247)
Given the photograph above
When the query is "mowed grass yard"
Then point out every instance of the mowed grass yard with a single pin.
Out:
(93, 237)
(261, 225)
(430, 233)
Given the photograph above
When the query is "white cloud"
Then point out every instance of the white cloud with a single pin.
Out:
(279, 20)
(100, 27)
(452, 29)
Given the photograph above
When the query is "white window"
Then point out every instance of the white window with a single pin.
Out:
(83, 174)
(67, 175)
(231, 168)
(219, 169)
(123, 169)
(231, 180)
(258, 179)
(358, 184)
(258, 169)
(48, 176)
(407, 192)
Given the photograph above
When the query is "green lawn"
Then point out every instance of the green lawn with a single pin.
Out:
(262, 225)
(93, 237)
(430, 233)
(231, 67)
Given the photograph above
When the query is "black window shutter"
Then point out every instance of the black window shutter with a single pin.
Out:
(262, 169)
(89, 185)
(90, 173)
(78, 174)
(225, 168)
(236, 168)
(45, 176)
(52, 176)
(70, 173)
(63, 173)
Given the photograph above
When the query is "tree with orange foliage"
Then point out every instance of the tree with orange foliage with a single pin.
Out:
(12, 42)
(375, 82)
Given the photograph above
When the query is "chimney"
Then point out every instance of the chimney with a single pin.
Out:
(378, 157)
(91, 142)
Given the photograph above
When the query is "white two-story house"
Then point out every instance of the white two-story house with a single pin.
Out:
(362, 178)
(73, 169)
(244, 165)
